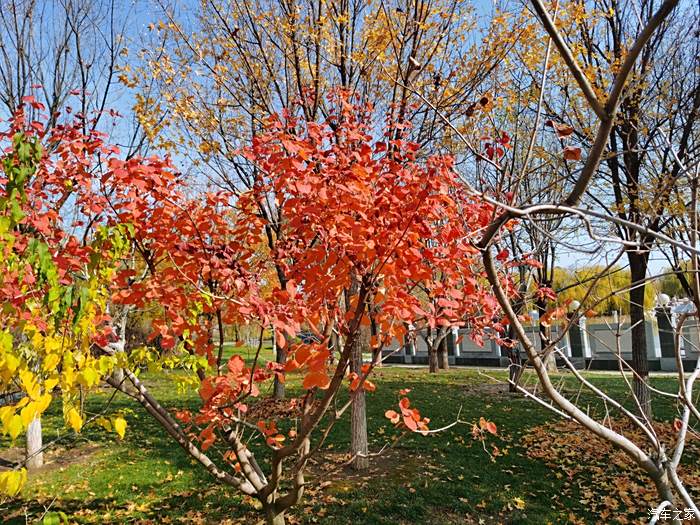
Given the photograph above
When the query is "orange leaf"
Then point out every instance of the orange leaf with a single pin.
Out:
(302, 354)
(206, 390)
(316, 379)
(392, 416)
(572, 153)
(562, 130)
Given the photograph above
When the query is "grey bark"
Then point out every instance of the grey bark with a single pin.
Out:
(358, 411)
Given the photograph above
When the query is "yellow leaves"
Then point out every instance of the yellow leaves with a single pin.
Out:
(519, 503)
(34, 409)
(119, 426)
(51, 362)
(209, 147)
(11, 482)
(127, 81)
(6, 414)
(8, 366)
(74, 420)
(88, 377)
(8, 361)
(43, 403)
(28, 414)
(14, 426)
(30, 384)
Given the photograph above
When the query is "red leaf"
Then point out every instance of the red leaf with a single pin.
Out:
(316, 379)
(562, 130)
(502, 255)
(572, 153)
(236, 365)
(392, 416)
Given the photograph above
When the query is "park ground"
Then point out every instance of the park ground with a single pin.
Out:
(539, 469)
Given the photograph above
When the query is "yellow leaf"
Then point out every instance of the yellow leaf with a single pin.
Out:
(28, 413)
(519, 503)
(105, 423)
(11, 482)
(74, 419)
(68, 376)
(106, 364)
(43, 403)
(88, 377)
(6, 414)
(15, 426)
(11, 363)
(53, 345)
(120, 426)
(50, 362)
(31, 387)
(49, 384)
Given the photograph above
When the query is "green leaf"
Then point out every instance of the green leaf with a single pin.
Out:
(51, 518)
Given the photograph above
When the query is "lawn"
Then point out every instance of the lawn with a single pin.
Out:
(443, 478)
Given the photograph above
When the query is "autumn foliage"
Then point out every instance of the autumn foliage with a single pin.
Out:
(370, 230)
(367, 220)
(67, 212)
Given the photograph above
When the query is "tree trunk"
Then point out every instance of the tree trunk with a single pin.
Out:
(358, 412)
(35, 459)
(281, 358)
(640, 362)
(551, 362)
(515, 365)
(544, 335)
(443, 359)
(272, 517)
(663, 489)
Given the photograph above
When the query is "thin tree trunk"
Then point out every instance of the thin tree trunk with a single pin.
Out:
(663, 489)
(443, 358)
(35, 459)
(358, 413)
(640, 362)
(432, 352)
(544, 335)
(515, 368)
(376, 357)
(280, 358)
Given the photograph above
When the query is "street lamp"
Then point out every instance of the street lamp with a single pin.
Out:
(663, 299)
(534, 317)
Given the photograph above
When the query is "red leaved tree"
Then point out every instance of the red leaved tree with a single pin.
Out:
(365, 222)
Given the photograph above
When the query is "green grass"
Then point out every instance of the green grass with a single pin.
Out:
(443, 478)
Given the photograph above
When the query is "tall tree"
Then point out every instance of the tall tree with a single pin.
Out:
(70, 53)
(657, 111)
